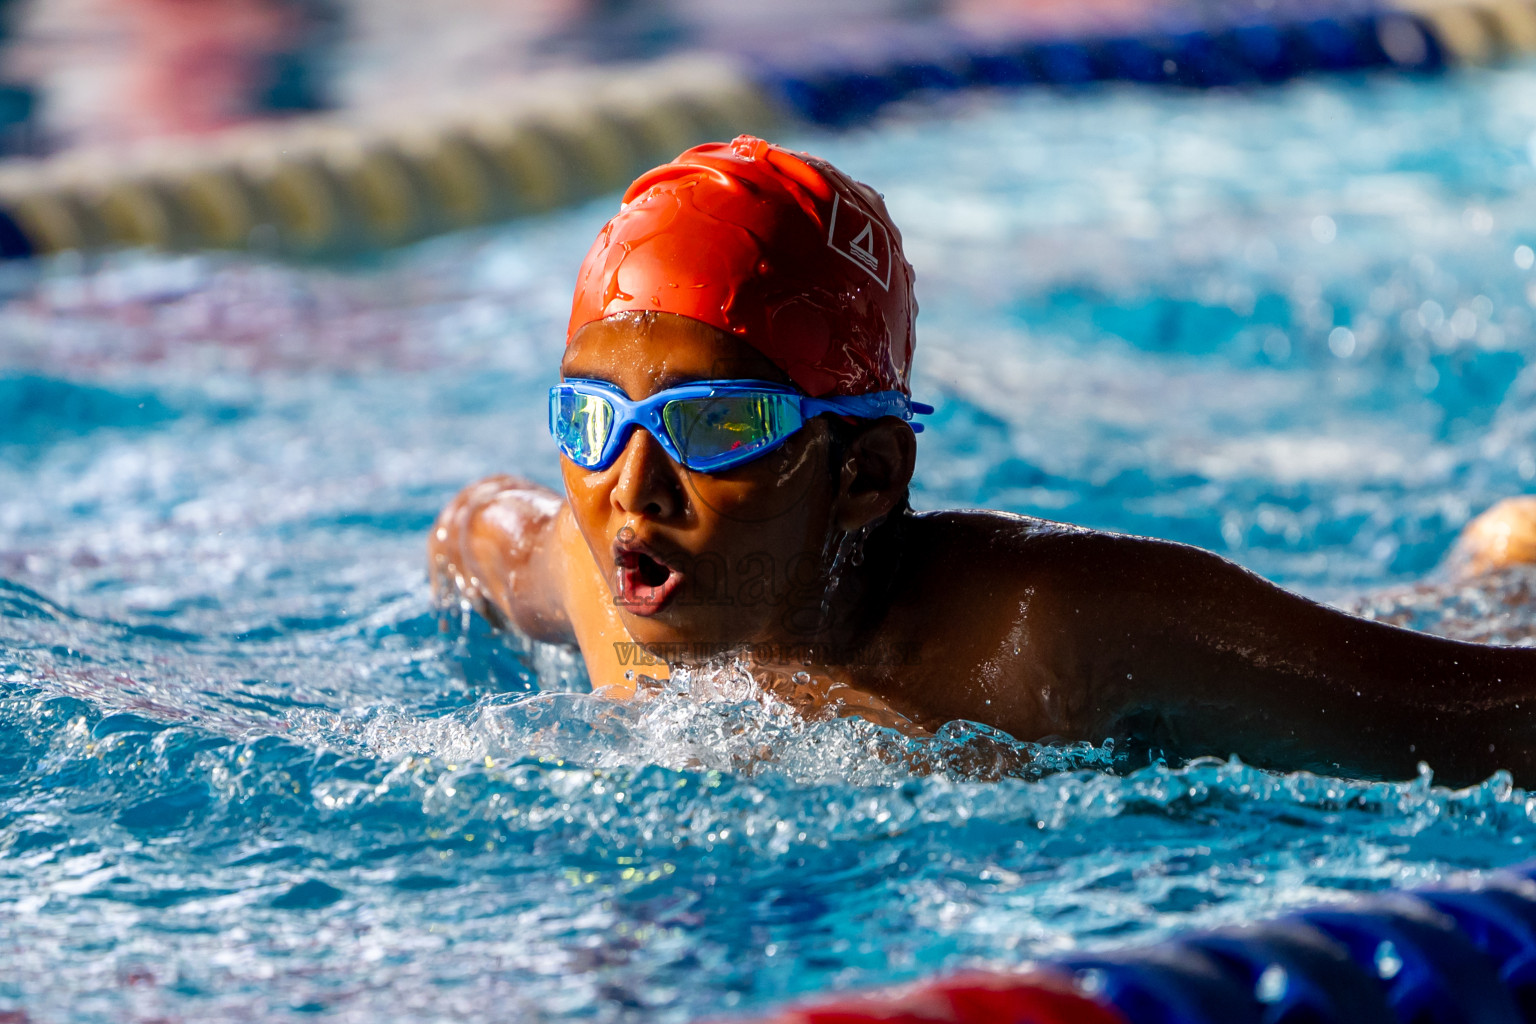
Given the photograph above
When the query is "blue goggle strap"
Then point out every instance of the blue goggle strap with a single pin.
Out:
(868, 407)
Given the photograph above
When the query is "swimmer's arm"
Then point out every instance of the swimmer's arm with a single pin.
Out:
(1185, 647)
(495, 545)
(512, 550)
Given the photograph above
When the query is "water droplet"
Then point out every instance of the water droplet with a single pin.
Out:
(1271, 986)
(1388, 962)
(1341, 342)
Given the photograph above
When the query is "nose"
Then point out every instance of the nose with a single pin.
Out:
(648, 483)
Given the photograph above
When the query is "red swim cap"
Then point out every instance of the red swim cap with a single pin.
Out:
(778, 247)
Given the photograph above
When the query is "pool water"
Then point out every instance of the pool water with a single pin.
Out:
(247, 772)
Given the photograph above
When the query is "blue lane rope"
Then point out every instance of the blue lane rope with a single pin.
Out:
(14, 243)
(1295, 973)
(1440, 955)
(844, 90)
(1165, 985)
(1430, 970)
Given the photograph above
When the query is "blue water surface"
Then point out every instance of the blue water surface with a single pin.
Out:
(246, 772)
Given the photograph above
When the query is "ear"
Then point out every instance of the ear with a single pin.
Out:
(877, 467)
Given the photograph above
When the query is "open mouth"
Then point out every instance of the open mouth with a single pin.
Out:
(645, 582)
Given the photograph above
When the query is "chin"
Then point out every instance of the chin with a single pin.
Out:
(678, 637)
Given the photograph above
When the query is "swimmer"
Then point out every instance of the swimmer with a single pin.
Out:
(737, 435)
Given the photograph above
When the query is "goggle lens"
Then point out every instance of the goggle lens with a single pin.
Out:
(581, 424)
(707, 430)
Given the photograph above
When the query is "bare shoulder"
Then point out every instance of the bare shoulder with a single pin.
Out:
(1009, 619)
(975, 573)
(982, 616)
(1002, 552)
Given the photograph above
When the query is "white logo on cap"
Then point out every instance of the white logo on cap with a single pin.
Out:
(868, 246)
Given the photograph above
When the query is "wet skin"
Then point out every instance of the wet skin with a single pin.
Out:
(1036, 628)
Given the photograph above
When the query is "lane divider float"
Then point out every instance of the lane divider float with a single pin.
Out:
(1447, 954)
(334, 184)
(331, 185)
(834, 90)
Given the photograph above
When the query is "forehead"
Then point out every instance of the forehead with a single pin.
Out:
(646, 352)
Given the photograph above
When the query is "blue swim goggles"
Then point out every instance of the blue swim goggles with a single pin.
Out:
(708, 426)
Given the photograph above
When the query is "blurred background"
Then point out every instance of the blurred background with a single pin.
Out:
(92, 71)
(98, 71)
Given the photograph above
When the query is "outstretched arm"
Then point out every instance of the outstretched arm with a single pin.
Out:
(1181, 647)
(511, 549)
(495, 546)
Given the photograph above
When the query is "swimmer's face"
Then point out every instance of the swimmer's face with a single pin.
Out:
(700, 558)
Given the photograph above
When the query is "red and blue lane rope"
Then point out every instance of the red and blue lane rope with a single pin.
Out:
(1451, 954)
